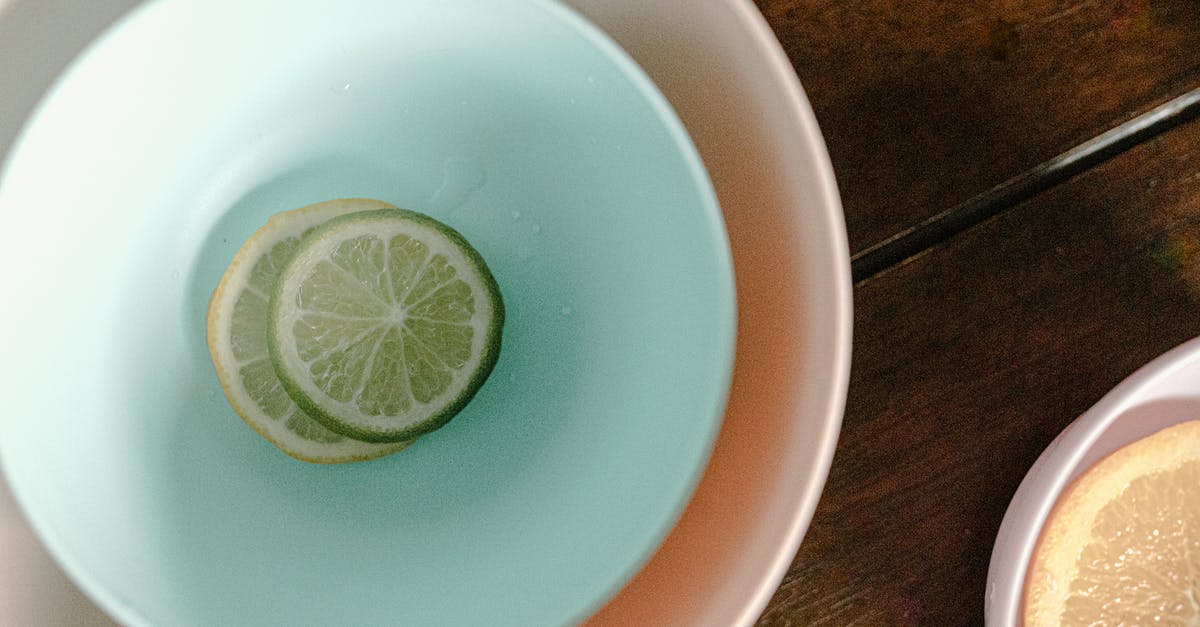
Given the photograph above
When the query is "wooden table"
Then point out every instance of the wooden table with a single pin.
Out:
(1021, 181)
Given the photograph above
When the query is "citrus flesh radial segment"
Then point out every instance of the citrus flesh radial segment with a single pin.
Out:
(384, 324)
(1122, 545)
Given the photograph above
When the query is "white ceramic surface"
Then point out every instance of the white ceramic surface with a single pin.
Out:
(37, 39)
(728, 79)
(1162, 393)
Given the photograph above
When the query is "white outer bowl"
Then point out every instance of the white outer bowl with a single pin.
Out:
(1162, 393)
(730, 82)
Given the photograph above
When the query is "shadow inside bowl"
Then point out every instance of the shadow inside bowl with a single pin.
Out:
(1137, 422)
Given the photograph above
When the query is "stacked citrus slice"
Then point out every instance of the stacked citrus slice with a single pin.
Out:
(343, 330)
(1122, 546)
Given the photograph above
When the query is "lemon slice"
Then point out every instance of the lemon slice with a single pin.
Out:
(384, 324)
(1122, 546)
(237, 340)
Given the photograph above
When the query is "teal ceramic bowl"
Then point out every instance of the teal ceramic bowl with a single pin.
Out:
(178, 133)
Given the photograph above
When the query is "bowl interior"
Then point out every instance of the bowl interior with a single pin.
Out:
(179, 132)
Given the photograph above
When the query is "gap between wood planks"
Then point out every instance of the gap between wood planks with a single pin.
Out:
(934, 230)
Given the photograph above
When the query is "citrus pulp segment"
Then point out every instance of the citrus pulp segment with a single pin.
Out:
(1122, 545)
(384, 324)
(237, 340)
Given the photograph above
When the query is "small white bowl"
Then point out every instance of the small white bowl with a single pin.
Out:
(1162, 393)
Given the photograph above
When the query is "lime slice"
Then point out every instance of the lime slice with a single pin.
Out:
(384, 324)
(237, 340)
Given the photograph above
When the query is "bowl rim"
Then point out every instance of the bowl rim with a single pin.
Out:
(805, 196)
(838, 339)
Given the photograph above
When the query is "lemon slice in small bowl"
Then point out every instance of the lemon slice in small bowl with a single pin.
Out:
(1100, 523)
(1122, 546)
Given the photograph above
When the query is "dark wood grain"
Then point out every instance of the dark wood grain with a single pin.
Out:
(969, 360)
(926, 103)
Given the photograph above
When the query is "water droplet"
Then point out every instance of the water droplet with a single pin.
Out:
(176, 274)
(512, 376)
(573, 101)
(463, 103)
(566, 311)
(620, 148)
(461, 176)
(516, 215)
(591, 79)
(340, 87)
(537, 228)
